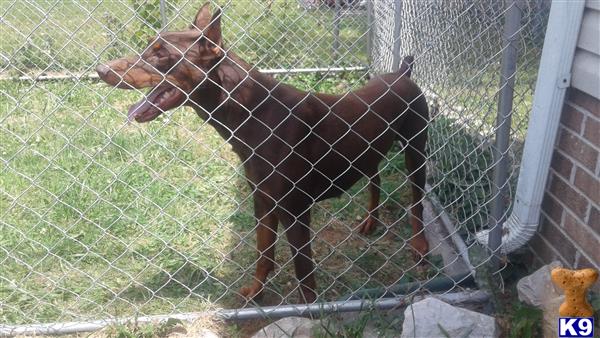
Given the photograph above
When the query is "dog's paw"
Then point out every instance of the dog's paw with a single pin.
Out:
(253, 292)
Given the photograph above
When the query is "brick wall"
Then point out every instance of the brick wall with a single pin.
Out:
(570, 221)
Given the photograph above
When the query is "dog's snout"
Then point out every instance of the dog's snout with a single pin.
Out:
(108, 75)
(102, 69)
(127, 73)
(111, 73)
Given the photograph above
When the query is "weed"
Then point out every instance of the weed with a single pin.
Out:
(461, 173)
(37, 52)
(149, 13)
(525, 321)
(145, 330)
(354, 326)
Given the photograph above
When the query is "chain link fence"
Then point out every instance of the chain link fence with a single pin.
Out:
(102, 218)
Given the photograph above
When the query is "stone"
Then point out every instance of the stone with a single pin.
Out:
(550, 317)
(206, 333)
(434, 318)
(539, 291)
(296, 327)
(538, 288)
(440, 242)
(192, 333)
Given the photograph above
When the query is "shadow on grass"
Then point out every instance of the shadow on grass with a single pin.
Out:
(346, 261)
(207, 272)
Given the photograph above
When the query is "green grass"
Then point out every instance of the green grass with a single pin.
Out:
(101, 217)
(381, 323)
(69, 36)
(86, 197)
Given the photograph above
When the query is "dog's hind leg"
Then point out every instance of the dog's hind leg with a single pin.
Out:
(372, 219)
(266, 235)
(415, 164)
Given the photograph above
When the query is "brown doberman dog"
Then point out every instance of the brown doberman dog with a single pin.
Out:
(297, 148)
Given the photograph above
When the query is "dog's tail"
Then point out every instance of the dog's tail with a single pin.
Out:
(406, 65)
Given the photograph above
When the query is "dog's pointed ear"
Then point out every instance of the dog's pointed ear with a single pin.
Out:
(203, 17)
(213, 31)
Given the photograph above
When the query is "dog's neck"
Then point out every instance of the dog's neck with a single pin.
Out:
(233, 92)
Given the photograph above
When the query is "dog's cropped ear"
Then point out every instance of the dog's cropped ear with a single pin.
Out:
(213, 32)
(203, 17)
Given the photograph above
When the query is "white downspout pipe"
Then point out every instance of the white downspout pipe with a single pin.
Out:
(554, 77)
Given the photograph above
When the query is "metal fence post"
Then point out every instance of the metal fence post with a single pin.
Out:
(336, 30)
(370, 34)
(512, 25)
(163, 14)
(397, 29)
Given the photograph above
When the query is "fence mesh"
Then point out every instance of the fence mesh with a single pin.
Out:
(103, 218)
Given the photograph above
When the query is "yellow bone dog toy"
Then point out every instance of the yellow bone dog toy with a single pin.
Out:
(575, 284)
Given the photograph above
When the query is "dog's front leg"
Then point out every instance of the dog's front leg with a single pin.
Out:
(372, 219)
(297, 229)
(266, 235)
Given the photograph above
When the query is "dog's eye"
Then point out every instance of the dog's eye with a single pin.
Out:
(202, 41)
